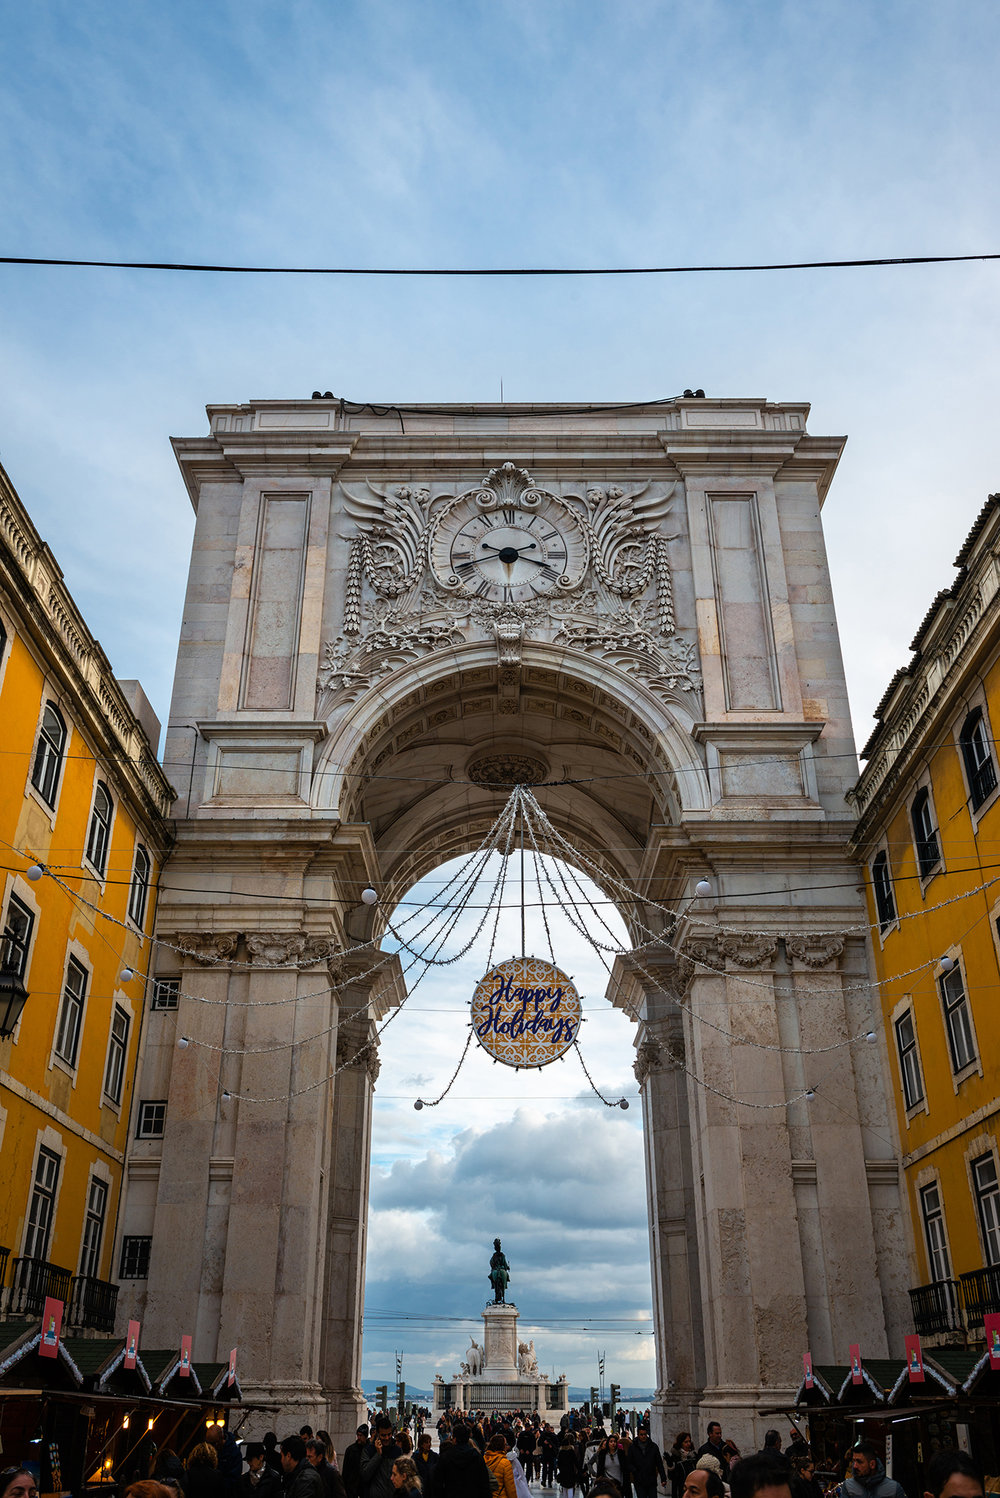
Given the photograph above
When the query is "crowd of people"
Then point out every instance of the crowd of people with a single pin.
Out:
(498, 1456)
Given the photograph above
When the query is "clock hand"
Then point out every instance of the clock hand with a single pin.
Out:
(530, 546)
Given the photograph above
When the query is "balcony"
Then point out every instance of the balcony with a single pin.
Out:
(89, 1303)
(953, 1310)
(938, 1308)
(92, 1304)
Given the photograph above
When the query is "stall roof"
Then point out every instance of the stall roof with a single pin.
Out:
(162, 1364)
(21, 1339)
(936, 1381)
(878, 1376)
(827, 1379)
(212, 1377)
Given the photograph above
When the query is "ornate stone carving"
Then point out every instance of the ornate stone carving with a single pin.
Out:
(359, 1050)
(648, 1057)
(627, 552)
(206, 947)
(289, 948)
(628, 639)
(814, 951)
(350, 665)
(390, 547)
(750, 949)
(501, 772)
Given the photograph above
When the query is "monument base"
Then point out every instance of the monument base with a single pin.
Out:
(502, 1375)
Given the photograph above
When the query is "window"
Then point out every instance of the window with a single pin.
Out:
(937, 1244)
(977, 756)
(114, 1075)
(166, 992)
(16, 937)
(957, 1019)
(43, 1202)
(140, 885)
(93, 1228)
(71, 1014)
(885, 904)
(909, 1061)
(99, 835)
(49, 754)
(152, 1117)
(924, 833)
(134, 1263)
(987, 1189)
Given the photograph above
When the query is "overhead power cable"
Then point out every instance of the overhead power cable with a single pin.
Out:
(492, 270)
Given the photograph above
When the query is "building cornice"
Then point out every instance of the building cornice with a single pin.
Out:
(952, 635)
(50, 618)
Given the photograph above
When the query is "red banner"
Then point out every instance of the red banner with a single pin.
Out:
(132, 1344)
(231, 1376)
(914, 1360)
(185, 1369)
(856, 1375)
(52, 1317)
(807, 1364)
(991, 1324)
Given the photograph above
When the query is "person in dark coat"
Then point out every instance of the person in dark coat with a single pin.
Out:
(261, 1481)
(350, 1467)
(645, 1465)
(272, 1456)
(201, 1475)
(461, 1471)
(301, 1480)
(569, 1467)
(376, 1463)
(426, 1460)
(333, 1483)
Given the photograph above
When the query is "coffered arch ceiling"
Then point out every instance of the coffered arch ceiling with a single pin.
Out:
(428, 760)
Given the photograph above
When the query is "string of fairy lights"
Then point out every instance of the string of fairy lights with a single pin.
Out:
(424, 942)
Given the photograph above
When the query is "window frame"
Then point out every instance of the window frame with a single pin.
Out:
(116, 1062)
(100, 864)
(975, 728)
(936, 1217)
(49, 759)
(884, 894)
(989, 1232)
(170, 985)
(41, 1192)
(926, 842)
(908, 1057)
(139, 887)
(145, 1119)
(24, 945)
(94, 1224)
(950, 1007)
(135, 1259)
(71, 1003)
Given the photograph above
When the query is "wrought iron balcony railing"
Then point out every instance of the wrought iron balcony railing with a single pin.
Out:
(92, 1304)
(31, 1282)
(980, 1292)
(937, 1308)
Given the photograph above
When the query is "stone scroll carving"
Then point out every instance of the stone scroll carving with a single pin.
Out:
(815, 951)
(206, 947)
(747, 950)
(289, 949)
(357, 1048)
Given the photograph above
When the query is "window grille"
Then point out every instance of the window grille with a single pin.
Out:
(977, 755)
(152, 1118)
(885, 903)
(924, 833)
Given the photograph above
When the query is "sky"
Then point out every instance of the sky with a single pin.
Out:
(507, 133)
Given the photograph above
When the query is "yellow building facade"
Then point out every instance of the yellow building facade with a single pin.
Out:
(83, 834)
(929, 840)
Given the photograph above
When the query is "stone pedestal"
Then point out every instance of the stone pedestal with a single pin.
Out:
(500, 1340)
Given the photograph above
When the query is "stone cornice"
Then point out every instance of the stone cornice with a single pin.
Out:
(950, 639)
(49, 618)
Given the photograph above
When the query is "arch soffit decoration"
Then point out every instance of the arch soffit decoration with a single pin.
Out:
(404, 703)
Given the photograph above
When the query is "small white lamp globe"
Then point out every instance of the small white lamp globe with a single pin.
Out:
(369, 896)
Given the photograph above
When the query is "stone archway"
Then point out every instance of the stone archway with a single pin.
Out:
(381, 626)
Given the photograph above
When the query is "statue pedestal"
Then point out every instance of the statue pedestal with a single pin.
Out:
(500, 1359)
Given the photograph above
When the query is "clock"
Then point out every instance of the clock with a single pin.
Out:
(511, 551)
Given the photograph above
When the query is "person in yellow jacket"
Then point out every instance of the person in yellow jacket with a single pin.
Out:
(500, 1467)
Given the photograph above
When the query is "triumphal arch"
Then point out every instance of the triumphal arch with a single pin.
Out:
(393, 616)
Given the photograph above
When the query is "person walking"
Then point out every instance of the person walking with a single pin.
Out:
(612, 1462)
(679, 1461)
(645, 1465)
(868, 1478)
(350, 1467)
(316, 1456)
(301, 1479)
(569, 1469)
(461, 1471)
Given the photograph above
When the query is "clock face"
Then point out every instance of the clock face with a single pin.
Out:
(509, 552)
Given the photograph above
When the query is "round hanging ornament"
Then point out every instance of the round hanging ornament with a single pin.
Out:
(525, 1012)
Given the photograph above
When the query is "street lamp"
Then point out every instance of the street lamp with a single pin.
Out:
(12, 996)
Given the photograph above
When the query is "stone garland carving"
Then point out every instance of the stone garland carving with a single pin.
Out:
(814, 951)
(291, 949)
(410, 614)
(206, 947)
(356, 1050)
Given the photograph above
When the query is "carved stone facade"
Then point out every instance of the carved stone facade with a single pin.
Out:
(630, 610)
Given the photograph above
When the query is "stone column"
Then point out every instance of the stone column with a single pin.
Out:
(653, 988)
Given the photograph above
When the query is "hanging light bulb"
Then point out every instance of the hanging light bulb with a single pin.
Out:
(419, 1104)
(623, 1104)
(35, 872)
(947, 963)
(226, 1096)
(369, 896)
(702, 888)
(126, 975)
(183, 1042)
(871, 1037)
(810, 1094)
